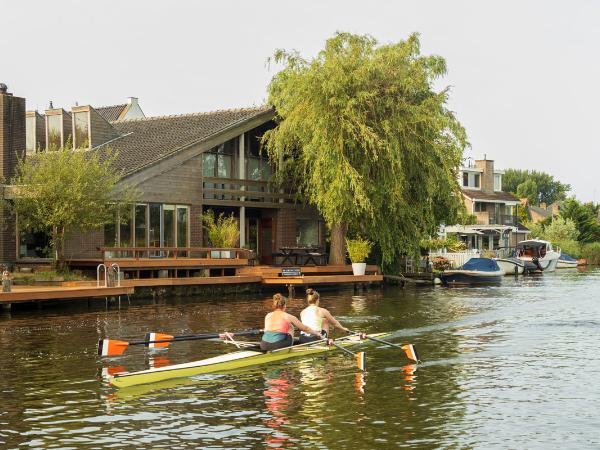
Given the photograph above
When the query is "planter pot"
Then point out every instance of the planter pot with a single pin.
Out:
(359, 268)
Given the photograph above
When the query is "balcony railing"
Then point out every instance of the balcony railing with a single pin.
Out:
(231, 190)
(502, 219)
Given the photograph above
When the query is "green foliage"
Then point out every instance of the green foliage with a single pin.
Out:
(364, 137)
(570, 247)
(358, 249)
(223, 232)
(591, 252)
(467, 219)
(62, 190)
(585, 218)
(561, 229)
(522, 214)
(548, 190)
(528, 189)
(451, 243)
(536, 230)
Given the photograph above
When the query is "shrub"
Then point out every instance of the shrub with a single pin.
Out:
(223, 232)
(591, 252)
(358, 249)
(570, 247)
(440, 263)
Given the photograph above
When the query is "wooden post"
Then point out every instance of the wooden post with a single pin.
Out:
(290, 291)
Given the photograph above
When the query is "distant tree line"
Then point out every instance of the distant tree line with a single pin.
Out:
(536, 187)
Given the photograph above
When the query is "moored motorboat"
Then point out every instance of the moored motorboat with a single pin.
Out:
(474, 271)
(566, 262)
(231, 361)
(539, 252)
(515, 266)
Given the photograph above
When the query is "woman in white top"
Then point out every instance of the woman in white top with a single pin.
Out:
(317, 318)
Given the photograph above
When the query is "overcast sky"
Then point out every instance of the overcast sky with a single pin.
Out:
(524, 74)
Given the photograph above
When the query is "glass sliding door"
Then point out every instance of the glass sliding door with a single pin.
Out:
(168, 226)
(182, 226)
(154, 238)
(141, 226)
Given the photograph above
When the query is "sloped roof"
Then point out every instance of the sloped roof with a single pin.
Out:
(146, 141)
(111, 113)
(491, 197)
(541, 211)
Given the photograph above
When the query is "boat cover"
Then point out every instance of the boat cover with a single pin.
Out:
(481, 264)
(565, 257)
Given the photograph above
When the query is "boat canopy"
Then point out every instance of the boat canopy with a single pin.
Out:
(481, 264)
(565, 257)
(532, 244)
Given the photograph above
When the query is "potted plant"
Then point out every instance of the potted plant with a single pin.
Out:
(223, 232)
(358, 250)
(439, 263)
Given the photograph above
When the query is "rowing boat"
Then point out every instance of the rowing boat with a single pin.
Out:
(230, 361)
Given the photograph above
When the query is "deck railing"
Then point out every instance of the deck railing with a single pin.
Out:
(173, 252)
(221, 190)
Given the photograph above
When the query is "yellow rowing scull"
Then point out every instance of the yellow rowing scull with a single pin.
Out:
(230, 361)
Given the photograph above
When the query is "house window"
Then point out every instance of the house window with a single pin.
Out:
(141, 228)
(34, 244)
(219, 161)
(30, 135)
(479, 207)
(82, 135)
(307, 232)
(182, 226)
(470, 179)
(54, 131)
(497, 182)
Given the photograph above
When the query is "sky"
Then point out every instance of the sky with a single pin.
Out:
(524, 74)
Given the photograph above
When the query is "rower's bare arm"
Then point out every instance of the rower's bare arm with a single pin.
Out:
(332, 320)
(294, 321)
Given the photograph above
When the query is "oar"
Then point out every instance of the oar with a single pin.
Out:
(409, 349)
(359, 357)
(114, 347)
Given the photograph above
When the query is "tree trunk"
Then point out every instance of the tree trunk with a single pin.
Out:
(337, 251)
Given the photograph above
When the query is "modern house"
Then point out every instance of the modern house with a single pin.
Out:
(182, 165)
(493, 212)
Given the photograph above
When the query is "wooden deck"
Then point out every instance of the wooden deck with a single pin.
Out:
(192, 281)
(22, 294)
(175, 263)
(322, 279)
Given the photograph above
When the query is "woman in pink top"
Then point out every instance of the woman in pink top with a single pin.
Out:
(277, 333)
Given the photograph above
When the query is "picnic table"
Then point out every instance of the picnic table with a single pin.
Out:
(295, 254)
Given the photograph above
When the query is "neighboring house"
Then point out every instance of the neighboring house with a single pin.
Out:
(494, 211)
(539, 213)
(182, 165)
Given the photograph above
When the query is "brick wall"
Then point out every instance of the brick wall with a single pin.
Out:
(195, 226)
(487, 177)
(80, 245)
(12, 147)
(100, 130)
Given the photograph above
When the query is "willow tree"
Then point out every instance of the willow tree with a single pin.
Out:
(364, 136)
(64, 190)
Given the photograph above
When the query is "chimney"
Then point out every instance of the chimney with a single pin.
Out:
(487, 176)
(132, 101)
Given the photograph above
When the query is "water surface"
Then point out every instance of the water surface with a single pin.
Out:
(510, 366)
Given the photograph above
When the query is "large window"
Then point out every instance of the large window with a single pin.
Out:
(307, 232)
(54, 131)
(479, 207)
(34, 244)
(150, 225)
(257, 164)
(497, 182)
(30, 134)
(220, 161)
(82, 135)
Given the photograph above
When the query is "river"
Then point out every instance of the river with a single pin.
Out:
(510, 366)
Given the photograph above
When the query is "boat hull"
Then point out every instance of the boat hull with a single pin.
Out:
(467, 277)
(566, 264)
(226, 363)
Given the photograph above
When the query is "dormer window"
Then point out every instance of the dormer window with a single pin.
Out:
(471, 180)
(497, 182)
(81, 122)
(54, 127)
(58, 128)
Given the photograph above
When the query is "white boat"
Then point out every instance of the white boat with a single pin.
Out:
(539, 252)
(566, 262)
(515, 266)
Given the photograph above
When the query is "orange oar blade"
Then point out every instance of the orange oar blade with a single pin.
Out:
(158, 337)
(360, 361)
(111, 347)
(411, 352)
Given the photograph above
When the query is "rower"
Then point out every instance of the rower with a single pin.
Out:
(277, 333)
(317, 318)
